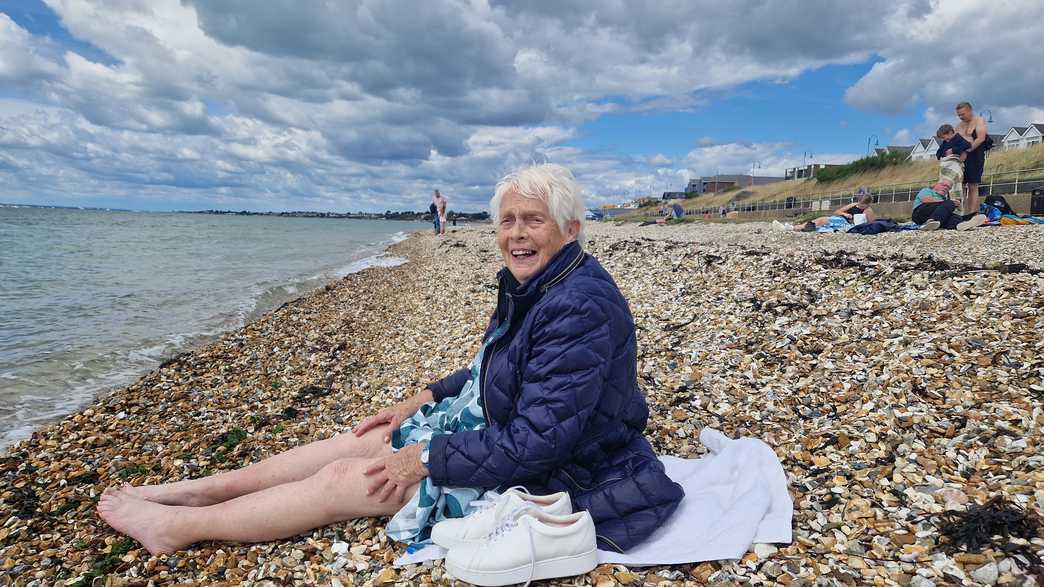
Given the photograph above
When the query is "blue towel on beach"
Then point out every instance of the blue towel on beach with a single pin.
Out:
(432, 504)
(835, 224)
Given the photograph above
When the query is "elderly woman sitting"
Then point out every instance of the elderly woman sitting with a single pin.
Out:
(551, 402)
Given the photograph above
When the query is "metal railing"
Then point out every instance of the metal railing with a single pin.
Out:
(998, 183)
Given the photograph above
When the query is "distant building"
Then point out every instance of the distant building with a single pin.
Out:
(924, 149)
(674, 196)
(903, 149)
(808, 171)
(1033, 135)
(1017, 137)
(1013, 138)
(719, 183)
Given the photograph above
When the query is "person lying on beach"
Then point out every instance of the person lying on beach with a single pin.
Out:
(933, 209)
(842, 219)
(558, 409)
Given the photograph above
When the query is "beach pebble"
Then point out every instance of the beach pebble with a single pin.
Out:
(986, 574)
(895, 379)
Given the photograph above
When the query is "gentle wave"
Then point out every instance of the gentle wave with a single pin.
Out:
(29, 399)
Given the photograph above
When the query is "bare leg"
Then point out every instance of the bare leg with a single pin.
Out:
(971, 198)
(335, 493)
(286, 467)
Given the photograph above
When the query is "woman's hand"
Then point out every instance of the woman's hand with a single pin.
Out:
(396, 474)
(394, 415)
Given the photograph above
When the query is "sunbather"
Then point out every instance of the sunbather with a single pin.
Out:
(842, 219)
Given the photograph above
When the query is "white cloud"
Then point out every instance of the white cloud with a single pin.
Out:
(764, 159)
(19, 59)
(941, 53)
(903, 137)
(659, 160)
(373, 102)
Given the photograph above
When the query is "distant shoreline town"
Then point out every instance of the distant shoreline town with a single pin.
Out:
(386, 215)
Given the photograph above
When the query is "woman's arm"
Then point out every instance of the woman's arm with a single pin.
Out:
(450, 385)
(561, 385)
(844, 210)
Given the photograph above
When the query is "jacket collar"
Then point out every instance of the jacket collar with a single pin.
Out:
(556, 270)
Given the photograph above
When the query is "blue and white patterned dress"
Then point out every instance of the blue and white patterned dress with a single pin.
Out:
(432, 504)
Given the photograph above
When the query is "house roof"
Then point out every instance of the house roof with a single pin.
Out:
(1018, 131)
(925, 142)
(1038, 126)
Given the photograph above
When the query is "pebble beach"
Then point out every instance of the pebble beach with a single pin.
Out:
(899, 378)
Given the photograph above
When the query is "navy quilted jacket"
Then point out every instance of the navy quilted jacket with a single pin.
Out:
(562, 404)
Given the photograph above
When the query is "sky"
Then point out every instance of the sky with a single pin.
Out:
(370, 104)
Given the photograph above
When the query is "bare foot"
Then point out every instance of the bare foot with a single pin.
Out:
(186, 492)
(151, 524)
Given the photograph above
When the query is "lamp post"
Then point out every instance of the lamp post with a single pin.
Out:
(806, 156)
(989, 114)
(876, 143)
(753, 166)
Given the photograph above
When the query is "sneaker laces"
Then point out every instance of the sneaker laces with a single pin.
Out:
(509, 523)
(485, 503)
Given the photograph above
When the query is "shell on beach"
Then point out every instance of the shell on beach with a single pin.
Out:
(898, 377)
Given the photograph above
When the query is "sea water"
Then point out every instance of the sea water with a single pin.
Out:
(91, 299)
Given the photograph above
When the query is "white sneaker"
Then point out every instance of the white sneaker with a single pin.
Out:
(931, 225)
(782, 225)
(528, 547)
(977, 220)
(458, 532)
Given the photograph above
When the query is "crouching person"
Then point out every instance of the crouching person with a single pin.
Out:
(933, 209)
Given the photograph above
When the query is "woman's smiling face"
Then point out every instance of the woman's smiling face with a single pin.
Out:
(528, 236)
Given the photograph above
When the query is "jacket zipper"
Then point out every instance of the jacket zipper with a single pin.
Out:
(577, 483)
(613, 544)
(488, 358)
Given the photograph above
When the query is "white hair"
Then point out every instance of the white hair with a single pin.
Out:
(552, 184)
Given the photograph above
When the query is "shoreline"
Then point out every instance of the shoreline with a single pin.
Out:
(127, 365)
(776, 336)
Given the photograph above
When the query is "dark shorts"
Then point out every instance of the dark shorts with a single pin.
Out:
(973, 166)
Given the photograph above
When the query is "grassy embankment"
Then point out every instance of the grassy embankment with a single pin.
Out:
(999, 163)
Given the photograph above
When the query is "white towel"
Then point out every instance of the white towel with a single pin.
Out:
(735, 496)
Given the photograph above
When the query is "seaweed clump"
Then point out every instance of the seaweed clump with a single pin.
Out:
(992, 524)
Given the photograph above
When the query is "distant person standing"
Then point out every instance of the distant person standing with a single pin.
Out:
(433, 208)
(440, 206)
(973, 129)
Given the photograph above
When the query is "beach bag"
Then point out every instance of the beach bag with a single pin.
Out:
(993, 213)
(999, 203)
